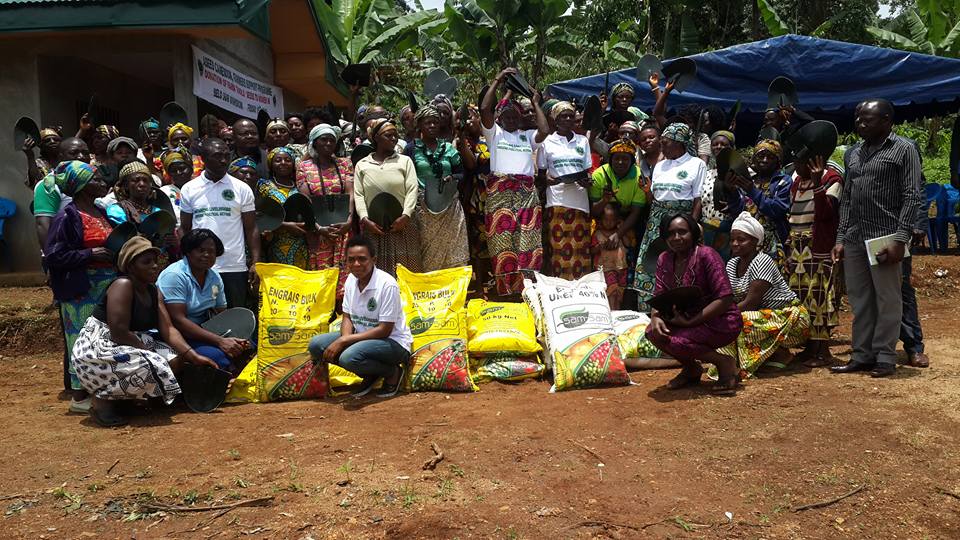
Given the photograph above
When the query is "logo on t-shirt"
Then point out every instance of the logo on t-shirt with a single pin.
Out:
(372, 304)
(580, 151)
(228, 195)
(215, 290)
(523, 138)
(682, 175)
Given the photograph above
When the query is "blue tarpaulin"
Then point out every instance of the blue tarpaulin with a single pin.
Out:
(831, 78)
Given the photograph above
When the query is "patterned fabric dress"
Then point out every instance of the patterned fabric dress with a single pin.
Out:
(513, 223)
(312, 182)
(782, 321)
(283, 247)
(569, 234)
(76, 312)
(643, 282)
(111, 371)
(443, 235)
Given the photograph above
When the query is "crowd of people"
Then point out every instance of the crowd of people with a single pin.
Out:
(529, 188)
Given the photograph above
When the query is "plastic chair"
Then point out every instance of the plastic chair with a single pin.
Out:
(936, 194)
(952, 199)
(7, 210)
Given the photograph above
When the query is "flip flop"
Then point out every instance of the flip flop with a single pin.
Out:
(726, 386)
(685, 379)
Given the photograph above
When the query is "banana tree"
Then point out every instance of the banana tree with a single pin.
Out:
(542, 16)
(927, 29)
(362, 31)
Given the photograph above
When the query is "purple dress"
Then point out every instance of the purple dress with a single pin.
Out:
(705, 270)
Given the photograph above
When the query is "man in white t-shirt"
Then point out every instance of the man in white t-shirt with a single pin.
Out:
(374, 340)
(225, 205)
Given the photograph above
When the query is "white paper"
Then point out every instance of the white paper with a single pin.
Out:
(879, 244)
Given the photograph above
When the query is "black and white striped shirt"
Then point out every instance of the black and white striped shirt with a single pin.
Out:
(882, 191)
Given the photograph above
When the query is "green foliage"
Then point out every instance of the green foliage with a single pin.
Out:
(771, 19)
(926, 29)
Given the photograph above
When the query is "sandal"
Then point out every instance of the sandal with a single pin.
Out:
(685, 379)
(726, 386)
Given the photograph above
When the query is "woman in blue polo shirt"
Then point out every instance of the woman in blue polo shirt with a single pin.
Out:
(193, 292)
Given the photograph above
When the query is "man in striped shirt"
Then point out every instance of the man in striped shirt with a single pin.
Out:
(881, 197)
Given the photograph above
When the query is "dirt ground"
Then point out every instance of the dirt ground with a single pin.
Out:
(518, 462)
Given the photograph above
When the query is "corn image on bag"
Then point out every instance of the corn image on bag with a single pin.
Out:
(434, 304)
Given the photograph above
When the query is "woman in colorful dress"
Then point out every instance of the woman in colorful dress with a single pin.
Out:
(319, 174)
(443, 234)
(564, 152)
(116, 354)
(693, 336)
(287, 244)
(473, 197)
(137, 199)
(80, 266)
(513, 212)
(814, 219)
(676, 185)
(386, 171)
(181, 135)
(715, 217)
(774, 319)
(178, 166)
(767, 196)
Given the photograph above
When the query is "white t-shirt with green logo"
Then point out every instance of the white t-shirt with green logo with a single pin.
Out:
(218, 206)
(560, 156)
(511, 152)
(678, 179)
(378, 302)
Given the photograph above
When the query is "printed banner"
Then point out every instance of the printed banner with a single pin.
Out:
(229, 89)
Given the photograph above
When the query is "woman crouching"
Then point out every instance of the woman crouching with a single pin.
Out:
(713, 322)
(774, 319)
(115, 356)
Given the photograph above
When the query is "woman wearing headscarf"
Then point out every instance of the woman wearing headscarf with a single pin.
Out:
(622, 95)
(287, 244)
(181, 135)
(245, 169)
(814, 219)
(440, 165)
(716, 218)
(767, 196)
(40, 166)
(319, 174)
(136, 200)
(386, 171)
(178, 166)
(80, 266)
(513, 214)
(99, 140)
(693, 335)
(444, 108)
(116, 354)
(277, 135)
(564, 152)
(618, 182)
(774, 319)
(676, 185)
(408, 124)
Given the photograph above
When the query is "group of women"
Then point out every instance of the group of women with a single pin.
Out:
(528, 188)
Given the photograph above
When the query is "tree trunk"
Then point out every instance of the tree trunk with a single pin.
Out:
(754, 20)
(933, 135)
(538, 61)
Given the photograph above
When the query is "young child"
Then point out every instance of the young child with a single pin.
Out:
(612, 258)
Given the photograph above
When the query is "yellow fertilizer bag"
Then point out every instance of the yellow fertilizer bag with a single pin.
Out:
(295, 305)
(244, 388)
(434, 304)
(503, 328)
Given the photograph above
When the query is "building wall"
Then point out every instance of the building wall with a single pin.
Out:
(131, 72)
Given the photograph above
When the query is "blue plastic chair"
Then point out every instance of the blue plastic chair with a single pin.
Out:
(952, 199)
(936, 194)
(7, 210)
